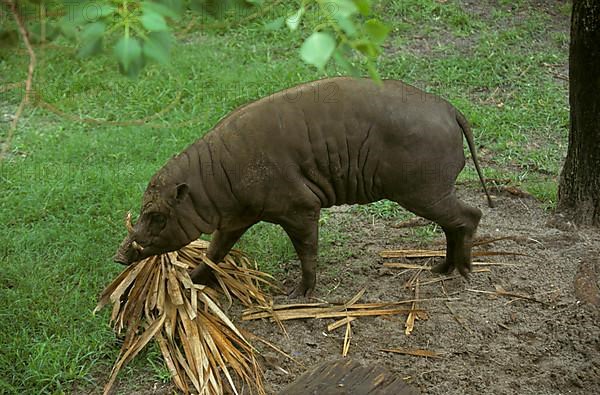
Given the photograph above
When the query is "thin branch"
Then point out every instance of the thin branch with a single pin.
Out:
(501, 292)
(28, 83)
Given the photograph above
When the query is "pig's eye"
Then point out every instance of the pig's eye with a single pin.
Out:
(157, 222)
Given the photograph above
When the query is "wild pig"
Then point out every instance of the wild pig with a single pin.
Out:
(282, 158)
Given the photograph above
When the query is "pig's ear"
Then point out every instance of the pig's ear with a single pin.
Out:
(181, 191)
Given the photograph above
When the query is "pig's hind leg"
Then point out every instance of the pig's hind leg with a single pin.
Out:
(459, 222)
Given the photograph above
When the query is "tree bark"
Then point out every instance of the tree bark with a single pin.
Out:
(579, 188)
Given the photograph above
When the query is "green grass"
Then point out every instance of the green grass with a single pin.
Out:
(67, 185)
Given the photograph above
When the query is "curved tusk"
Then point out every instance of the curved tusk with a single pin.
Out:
(136, 246)
(128, 224)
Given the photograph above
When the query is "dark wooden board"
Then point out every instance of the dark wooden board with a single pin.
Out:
(347, 377)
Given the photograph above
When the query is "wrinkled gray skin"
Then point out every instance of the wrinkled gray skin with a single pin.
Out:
(282, 158)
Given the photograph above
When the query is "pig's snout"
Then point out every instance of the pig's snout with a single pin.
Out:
(120, 258)
(129, 251)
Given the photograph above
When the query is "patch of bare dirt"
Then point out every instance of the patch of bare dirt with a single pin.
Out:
(490, 344)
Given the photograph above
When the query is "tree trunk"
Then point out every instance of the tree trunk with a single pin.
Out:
(579, 188)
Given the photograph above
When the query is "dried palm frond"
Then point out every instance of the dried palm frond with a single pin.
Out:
(235, 275)
(438, 253)
(202, 348)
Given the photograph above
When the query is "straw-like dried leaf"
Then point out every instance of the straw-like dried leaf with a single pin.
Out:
(402, 265)
(484, 241)
(502, 292)
(202, 348)
(410, 320)
(173, 287)
(162, 343)
(496, 264)
(130, 353)
(355, 298)
(339, 323)
(108, 291)
(347, 337)
(249, 335)
(323, 312)
(412, 253)
(438, 253)
(120, 288)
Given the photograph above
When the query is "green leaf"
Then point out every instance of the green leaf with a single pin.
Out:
(128, 52)
(364, 6)
(317, 49)
(373, 73)
(197, 6)
(293, 21)
(50, 33)
(75, 16)
(367, 48)
(68, 28)
(347, 25)
(93, 31)
(91, 39)
(275, 24)
(156, 47)
(81, 13)
(162, 9)
(341, 59)
(155, 52)
(90, 48)
(165, 39)
(376, 30)
(154, 22)
(134, 67)
(340, 8)
(106, 10)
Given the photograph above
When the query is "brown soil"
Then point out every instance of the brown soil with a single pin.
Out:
(502, 345)
(489, 344)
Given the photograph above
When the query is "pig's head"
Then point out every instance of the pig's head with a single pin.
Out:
(162, 225)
